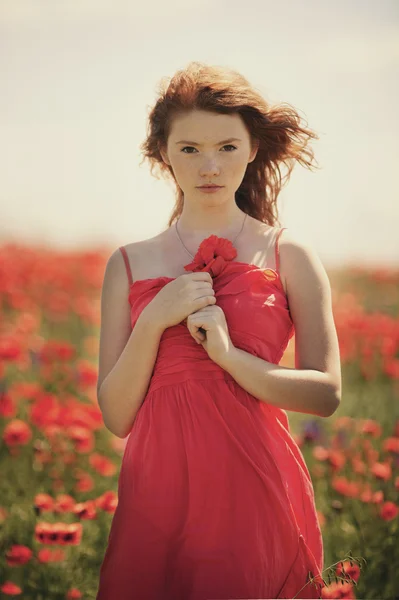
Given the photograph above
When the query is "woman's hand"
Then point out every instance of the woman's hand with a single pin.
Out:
(181, 297)
(209, 328)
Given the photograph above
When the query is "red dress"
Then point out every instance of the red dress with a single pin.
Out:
(214, 497)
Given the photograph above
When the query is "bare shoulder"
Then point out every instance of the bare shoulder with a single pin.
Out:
(142, 247)
(300, 263)
(147, 257)
(116, 277)
(116, 262)
(136, 252)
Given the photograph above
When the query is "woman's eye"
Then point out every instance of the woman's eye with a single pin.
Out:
(192, 147)
(185, 147)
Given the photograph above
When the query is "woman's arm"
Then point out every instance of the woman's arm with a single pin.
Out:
(127, 356)
(123, 390)
(300, 390)
(314, 385)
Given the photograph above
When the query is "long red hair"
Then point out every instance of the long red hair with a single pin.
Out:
(282, 138)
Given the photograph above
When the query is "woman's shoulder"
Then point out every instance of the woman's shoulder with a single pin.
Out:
(295, 245)
(140, 247)
(301, 264)
(147, 257)
(146, 246)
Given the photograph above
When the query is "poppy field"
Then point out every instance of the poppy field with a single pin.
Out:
(59, 465)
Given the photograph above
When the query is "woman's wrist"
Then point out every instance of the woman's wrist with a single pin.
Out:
(150, 320)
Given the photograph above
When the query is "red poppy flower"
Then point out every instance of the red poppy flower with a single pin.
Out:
(212, 256)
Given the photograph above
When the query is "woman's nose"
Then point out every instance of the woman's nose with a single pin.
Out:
(209, 169)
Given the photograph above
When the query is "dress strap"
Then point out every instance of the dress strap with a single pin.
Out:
(127, 264)
(277, 254)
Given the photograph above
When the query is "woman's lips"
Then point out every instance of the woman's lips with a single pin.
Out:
(212, 188)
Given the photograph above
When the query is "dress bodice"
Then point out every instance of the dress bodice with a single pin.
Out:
(253, 301)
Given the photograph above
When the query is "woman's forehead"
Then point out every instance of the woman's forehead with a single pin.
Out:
(207, 127)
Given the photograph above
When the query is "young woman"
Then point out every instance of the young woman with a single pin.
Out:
(215, 499)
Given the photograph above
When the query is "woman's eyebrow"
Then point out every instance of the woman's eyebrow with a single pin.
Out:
(218, 144)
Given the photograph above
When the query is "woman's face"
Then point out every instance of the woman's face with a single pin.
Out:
(200, 152)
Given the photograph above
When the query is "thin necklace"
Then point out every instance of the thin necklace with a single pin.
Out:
(233, 242)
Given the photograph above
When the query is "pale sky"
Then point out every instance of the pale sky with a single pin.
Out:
(78, 79)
